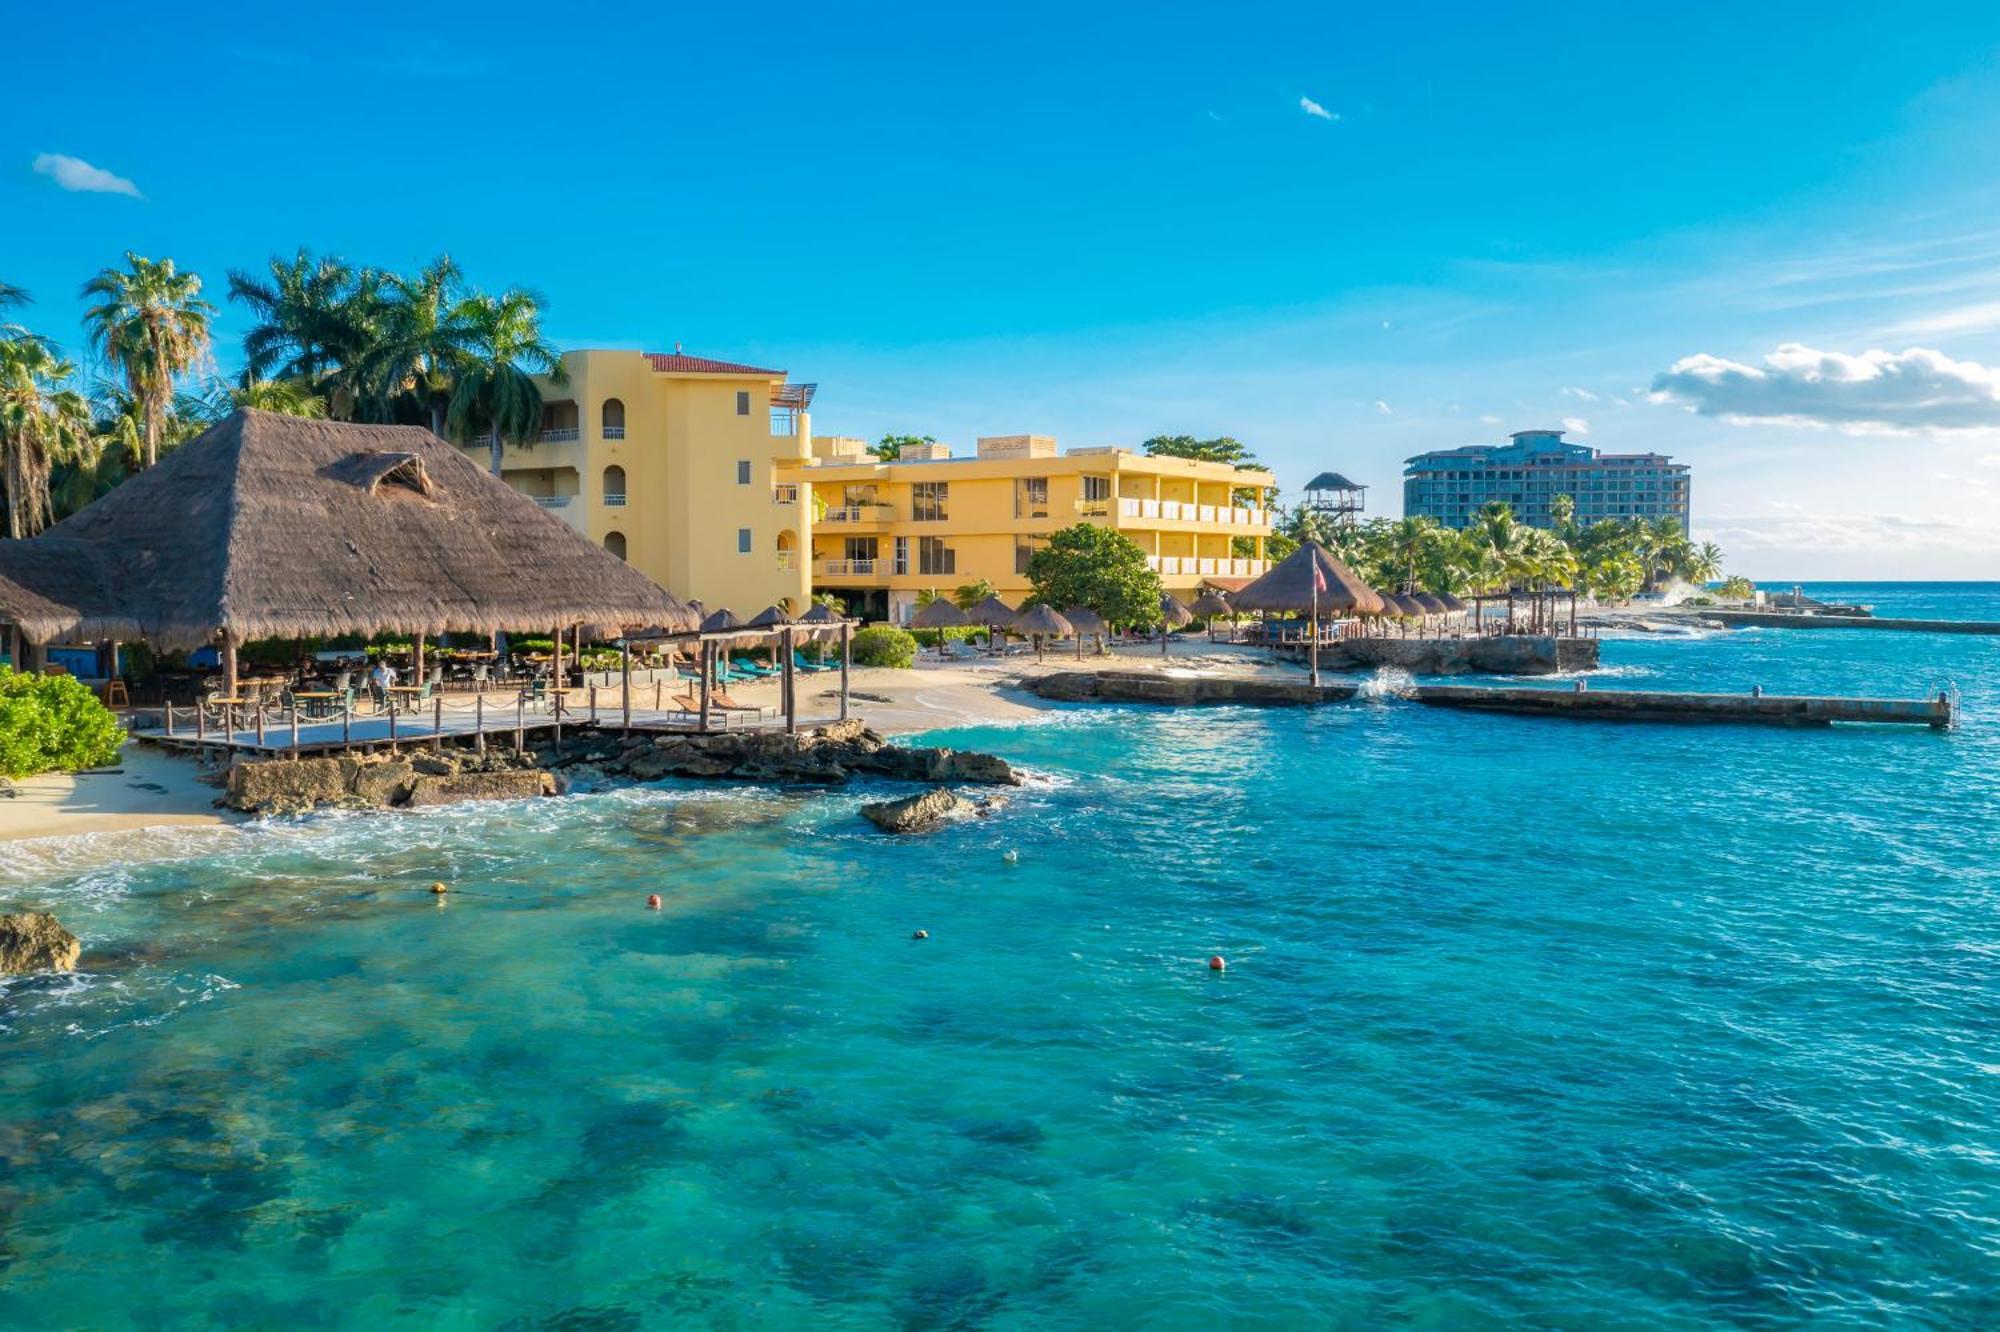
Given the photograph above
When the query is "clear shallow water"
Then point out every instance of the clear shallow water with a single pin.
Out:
(1571, 1025)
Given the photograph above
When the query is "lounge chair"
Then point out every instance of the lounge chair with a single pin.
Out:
(745, 666)
(802, 662)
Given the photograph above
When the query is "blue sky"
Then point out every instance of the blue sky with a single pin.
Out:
(1761, 238)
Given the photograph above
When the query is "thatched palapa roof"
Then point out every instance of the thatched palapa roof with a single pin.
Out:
(1040, 619)
(1289, 586)
(938, 614)
(994, 612)
(273, 526)
(1173, 612)
(1211, 603)
(1084, 620)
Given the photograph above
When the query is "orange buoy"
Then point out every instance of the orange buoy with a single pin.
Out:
(439, 888)
(652, 902)
(921, 934)
(1216, 963)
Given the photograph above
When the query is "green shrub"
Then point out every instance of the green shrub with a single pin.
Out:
(53, 723)
(884, 645)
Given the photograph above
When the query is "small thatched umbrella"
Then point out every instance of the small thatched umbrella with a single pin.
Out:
(994, 614)
(771, 617)
(1432, 605)
(1173, 614)
(1084, 620)
(1209, 605)
(1039, 621)
(1452, 604)
(939, 614)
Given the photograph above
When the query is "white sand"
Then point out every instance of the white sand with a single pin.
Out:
(147, 789)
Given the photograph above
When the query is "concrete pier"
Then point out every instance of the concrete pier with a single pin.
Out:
(1736, 619)
(1654, 705)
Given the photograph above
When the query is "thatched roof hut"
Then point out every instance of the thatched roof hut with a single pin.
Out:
(993, 613)
(821, 613)
(1289, 586)
(771, 617)
(1211, 603)
(938, 614)
(1431, 605)
(1174, 612)
(1042, 620)
(273, 526)
(1084, 620)
(720, 621)
(1401, 606)
(1452, 605)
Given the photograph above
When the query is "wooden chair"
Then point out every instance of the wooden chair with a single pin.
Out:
(115, 695)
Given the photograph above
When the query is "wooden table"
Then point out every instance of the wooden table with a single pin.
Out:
(312, 696)
(416, 690)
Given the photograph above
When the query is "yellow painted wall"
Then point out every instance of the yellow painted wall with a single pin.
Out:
(684, 505)
(985, 518)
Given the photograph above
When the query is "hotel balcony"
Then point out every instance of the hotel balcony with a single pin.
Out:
(1175, 511)
(850, 568)
(559, 435)
(1192, 566)
(860, 513)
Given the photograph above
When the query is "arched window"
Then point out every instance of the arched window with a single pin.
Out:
(614, 419)
(787, 544)
(614, 486)
(615, 543)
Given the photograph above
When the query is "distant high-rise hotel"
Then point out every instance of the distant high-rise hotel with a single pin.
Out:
(1450, 485)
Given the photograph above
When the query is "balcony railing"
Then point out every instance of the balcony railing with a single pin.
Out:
(1182, 512)
(846, 568)
(558, 435)
(1094, 508)
(784, 421)
(785, 494)
(614, 432)
(1206, 567)
(554, 501)
(860, 513)
(616, 501)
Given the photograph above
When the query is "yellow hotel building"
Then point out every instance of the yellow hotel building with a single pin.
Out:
(671, 462)
(885, 531)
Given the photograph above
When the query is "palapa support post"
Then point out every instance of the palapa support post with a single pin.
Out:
(658, 695)
(392, 730)
(846, 640)
(707, 651)
(593, 704)
(625, 685)
(200, 721)
(346, 726)
(169, 718)
(417, 659)
(556, 683)
(479, 722)
(295, 728)
(1313, 648)
(260, 722)
(790, 679)
(437, 723)
(520, 725)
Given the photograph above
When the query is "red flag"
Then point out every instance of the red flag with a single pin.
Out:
(1319, 577)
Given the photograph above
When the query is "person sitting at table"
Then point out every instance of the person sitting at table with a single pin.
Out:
(383, 679)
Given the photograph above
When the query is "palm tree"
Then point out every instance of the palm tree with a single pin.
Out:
(150, 323)
(1408, 543)
(968, 595)
(426, 335)
(1701, 564)
(493, 388)
(11, 297)
(286, 397)
(42, 420)
(314, 316)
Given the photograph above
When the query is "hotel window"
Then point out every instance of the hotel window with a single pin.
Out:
(743, 402)
(902, 555)
(1024, 550)
(613, 419)
(927, 501)
(615, 543)
(742, 541)
(742, 471)
(858, 548)
(934, 557)
(1031, 497)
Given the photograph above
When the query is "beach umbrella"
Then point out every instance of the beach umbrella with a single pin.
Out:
(1084, 620)
(1288, 587)
(720, 621)
(1037, 621)
(1209, 605)
(771, 617)
(821, 613)
(940, 615)
(1173, 614)
(994, 614)
(1430, 605)
(1452, 604)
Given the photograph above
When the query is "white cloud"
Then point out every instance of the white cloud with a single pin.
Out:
(1875, 533)
(1489, 420)
(73, 173)
(1582, 395)
(1964, 319)
(1576, 425)
(1880, 391)
(1312, 108)
(1384, 408)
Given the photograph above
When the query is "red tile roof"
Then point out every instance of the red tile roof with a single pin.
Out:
(673, 363)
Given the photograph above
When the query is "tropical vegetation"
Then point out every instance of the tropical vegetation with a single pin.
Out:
(53, 723)
(884, 645)
(327, 339)
(1106, 571)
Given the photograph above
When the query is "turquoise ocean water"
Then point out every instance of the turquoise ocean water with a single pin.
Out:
(1556, 1024)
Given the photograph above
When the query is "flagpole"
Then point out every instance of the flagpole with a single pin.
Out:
(1312, 649)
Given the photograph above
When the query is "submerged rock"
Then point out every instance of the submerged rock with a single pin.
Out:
(915, 813)
(36, 941)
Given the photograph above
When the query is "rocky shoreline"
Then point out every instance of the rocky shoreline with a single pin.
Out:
(829, 755)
